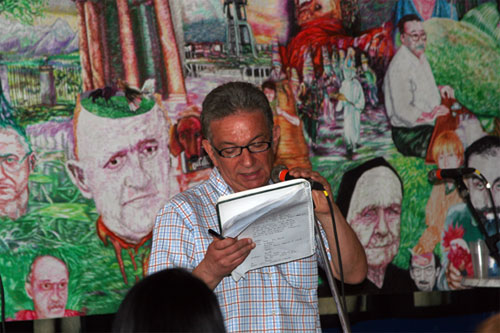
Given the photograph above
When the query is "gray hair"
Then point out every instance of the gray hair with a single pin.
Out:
(232, 98)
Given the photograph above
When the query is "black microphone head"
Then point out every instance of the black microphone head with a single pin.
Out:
(275, 173)
(432, 176)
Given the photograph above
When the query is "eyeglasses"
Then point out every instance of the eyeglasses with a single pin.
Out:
(416, 37)
(427, 271)
(256, 147)
(11, 163)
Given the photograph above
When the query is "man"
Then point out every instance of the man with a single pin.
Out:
(16, 162)
(412, 98)
(122, 162)
(370, 197)
(47, 285)
(242, 140)
(424, 270)
(484, 156)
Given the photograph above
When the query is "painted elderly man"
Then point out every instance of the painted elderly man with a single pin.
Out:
(122, 162)
(412, 97)
(16, 162)
(47, 286)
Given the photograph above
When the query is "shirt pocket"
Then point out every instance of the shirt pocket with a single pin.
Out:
(301, 274)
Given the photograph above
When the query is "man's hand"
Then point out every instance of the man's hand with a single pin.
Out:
(446, 92)
(453, 277)
(221, 258)
(319, 198)
(440, 110)
(353, 255)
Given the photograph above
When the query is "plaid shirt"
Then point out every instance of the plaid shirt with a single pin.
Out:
(275, 298)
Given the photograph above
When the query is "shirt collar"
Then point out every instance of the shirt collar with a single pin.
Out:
(219, 183)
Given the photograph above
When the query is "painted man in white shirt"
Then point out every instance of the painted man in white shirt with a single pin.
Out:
(412, 98)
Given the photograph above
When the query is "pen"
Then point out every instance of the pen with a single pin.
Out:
(215, 234)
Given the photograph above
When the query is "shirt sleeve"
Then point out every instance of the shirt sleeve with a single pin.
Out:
(173, 239)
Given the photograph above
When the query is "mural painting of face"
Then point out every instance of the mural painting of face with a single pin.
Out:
(414, 37)
(47, 286)
(424, 271)
(16, 163)
(123, 164)
(375, 215)
(487, 164)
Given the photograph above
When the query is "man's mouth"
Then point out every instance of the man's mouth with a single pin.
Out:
(56, 307)
(250, 175)
(140, 198)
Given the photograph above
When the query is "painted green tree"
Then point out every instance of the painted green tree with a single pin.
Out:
(24, 11)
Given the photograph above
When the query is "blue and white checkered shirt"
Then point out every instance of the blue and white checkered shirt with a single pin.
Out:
(275, 298)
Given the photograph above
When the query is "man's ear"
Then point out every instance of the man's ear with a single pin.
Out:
(77, 176)
(29, 289)
(276, 137)
(210, 151)
(32, 161)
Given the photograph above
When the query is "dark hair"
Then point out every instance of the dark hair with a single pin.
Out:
(269, 85)
(437, 261)
(486, 145)
(171, 300)
(407, 18)
(232, 98)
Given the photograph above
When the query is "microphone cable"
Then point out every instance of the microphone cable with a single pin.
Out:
(339, 256)
(2, 292)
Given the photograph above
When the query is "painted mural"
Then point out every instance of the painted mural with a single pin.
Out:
(99, 126)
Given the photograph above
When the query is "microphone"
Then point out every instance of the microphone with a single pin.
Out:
(456, 173)
(280, 174)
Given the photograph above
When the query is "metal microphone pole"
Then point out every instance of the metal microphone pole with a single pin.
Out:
(331, 281)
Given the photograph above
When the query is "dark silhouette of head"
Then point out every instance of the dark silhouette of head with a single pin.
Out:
(172, 300)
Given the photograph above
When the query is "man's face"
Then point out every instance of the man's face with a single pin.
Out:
(248, 170)
(377, 222)
(125, 164)
(14, 168)
(424, 272)
(489, 167)
(414, 37)
(448, 160)
(49, 287)
(309, 10)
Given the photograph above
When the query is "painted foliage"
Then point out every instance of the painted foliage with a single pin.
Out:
(100, 104)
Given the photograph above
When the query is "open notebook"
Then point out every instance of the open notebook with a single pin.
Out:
(278, 217)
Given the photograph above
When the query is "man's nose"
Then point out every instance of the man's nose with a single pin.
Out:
(246, 157)
(55, 294)
(3, 173)
(137, 176)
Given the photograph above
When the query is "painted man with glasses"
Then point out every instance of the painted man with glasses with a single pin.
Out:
(16, 162)
(412, 98)
(241, 140)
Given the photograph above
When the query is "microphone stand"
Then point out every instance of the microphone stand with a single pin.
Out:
(489, 240)
(344, 322)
